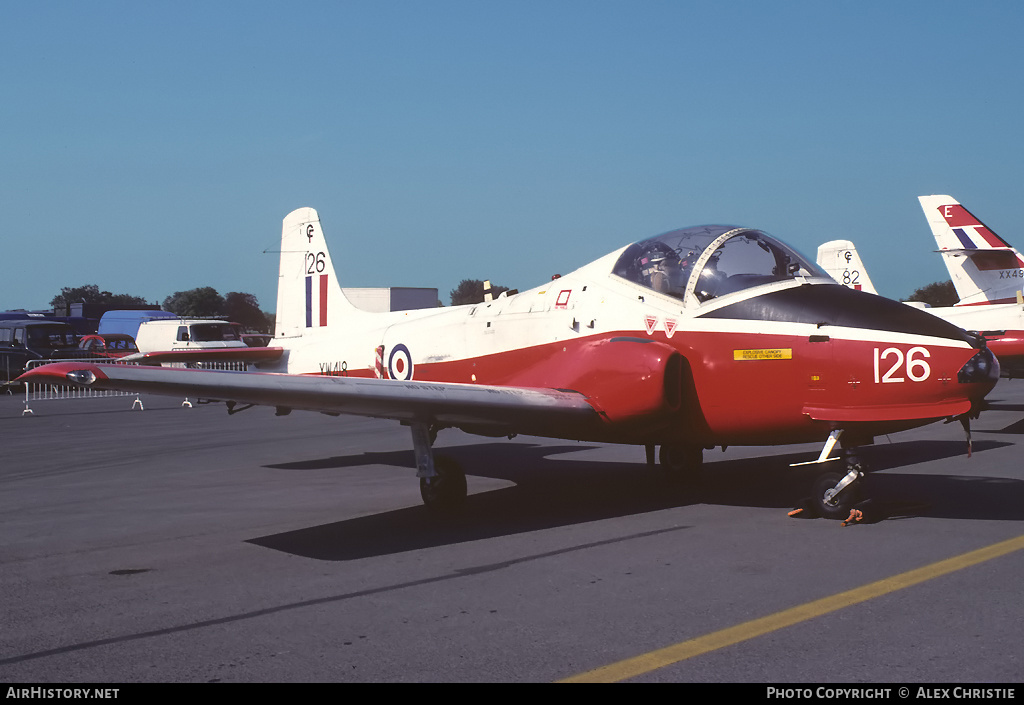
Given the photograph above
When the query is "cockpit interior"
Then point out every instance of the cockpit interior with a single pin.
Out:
(710, 261)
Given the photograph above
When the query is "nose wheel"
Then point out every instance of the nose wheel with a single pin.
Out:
(682, 462)
(835, 494)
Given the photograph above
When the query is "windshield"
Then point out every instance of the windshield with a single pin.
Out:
(711, 260)
(120, 344)
(209, 332)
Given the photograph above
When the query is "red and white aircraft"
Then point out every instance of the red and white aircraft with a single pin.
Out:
(987, 273)
(701, 337)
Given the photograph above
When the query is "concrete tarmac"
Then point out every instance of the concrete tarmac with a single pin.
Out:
(188, 545)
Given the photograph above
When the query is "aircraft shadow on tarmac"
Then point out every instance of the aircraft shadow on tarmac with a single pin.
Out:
(558, 492)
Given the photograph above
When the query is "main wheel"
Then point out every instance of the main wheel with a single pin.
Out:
(446, 491)
(834, 506)
(681, 461)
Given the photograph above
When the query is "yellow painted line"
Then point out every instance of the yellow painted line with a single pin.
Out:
(645, 663)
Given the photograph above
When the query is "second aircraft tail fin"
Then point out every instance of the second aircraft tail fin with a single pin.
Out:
(840, 259)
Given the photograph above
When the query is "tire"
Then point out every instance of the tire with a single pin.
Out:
(839, 506)
(682, 462)
(445, 493)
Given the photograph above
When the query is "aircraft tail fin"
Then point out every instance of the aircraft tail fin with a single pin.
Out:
(309, 297)
(840, 259)
(984, 268)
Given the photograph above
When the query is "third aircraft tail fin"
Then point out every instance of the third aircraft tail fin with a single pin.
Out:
(984, 268)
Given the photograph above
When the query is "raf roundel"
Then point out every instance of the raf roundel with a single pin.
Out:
(400, 363)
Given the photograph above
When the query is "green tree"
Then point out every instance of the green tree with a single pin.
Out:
(471, 291)
(245, 309)
(204, 301)
(936, 294)
(91, 294)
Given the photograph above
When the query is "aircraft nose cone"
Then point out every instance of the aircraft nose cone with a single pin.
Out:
(983, 368)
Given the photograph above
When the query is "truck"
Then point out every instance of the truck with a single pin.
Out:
(126, 322)
(187, 334)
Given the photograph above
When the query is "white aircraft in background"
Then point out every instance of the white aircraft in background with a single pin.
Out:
(986, 271)
(840, 259)
(706, 336)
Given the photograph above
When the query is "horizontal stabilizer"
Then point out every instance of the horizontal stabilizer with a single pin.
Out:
(206, 355)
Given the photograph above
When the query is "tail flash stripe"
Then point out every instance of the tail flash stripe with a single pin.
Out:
(991, 238)
(964, 239)
(959, 217)
(323, 299)
(309, 302)
(316, 308)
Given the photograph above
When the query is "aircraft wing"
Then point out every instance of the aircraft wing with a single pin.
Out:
(498, 410)
(206, 355)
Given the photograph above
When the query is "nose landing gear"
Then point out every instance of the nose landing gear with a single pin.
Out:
(834, 494)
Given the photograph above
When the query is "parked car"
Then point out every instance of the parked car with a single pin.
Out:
(108, 345)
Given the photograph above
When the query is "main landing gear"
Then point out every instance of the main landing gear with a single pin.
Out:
(835, 493)
(442, 481)
(681, 461)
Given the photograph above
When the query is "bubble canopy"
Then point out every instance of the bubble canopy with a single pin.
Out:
(712, 260)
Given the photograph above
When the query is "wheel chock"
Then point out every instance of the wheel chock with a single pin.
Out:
(804, 510)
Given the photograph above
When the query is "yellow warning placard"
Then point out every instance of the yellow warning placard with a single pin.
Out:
(763, 354)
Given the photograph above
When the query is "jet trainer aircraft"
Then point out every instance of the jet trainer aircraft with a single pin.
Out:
(987, 273)
(700, 337)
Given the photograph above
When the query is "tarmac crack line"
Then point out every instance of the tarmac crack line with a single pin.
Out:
(458, 573)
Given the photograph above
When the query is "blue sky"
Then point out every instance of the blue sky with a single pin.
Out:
(155, 147)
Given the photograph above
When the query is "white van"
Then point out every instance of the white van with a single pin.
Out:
(188, 334)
